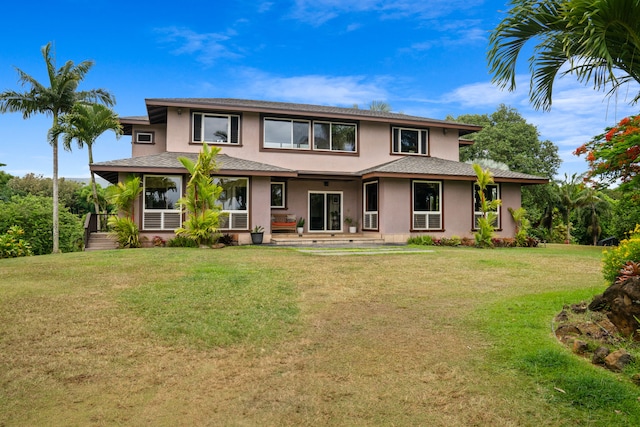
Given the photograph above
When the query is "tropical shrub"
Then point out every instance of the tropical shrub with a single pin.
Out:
(125, 231)
(201, 198)
(489, 217)
(34, 215)
(424, 240)
(12, 245)
(615, 259)
(123, 228)
(182, 242)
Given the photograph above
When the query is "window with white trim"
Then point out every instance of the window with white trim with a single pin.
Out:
(334, 136)
(286, 133)
(410, 141)
(278, 195)
(161, 195)
(144, 137)
(370, 203)
(491, 193)
(234, 203)
(427, 206)
(216, 128)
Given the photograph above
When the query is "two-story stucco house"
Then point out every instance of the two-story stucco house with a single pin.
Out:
(396, 175)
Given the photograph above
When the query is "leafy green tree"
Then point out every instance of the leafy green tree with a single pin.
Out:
(39, 185)
(201, 198)
(84, 124)
(34, 214)
(5, 192)
(591, 39)
(53, 100)
(506, 137)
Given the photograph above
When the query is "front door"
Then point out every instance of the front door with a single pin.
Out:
(325, 211)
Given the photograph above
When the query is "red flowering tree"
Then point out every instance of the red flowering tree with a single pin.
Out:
(615, 155)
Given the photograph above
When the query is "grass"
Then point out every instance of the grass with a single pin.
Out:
(270, 336)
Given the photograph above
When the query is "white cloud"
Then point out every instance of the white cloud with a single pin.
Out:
(206, 47)
(313, 89)
(317, 12)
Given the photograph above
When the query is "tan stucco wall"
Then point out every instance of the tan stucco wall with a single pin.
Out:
(159, 141)
(374, 145)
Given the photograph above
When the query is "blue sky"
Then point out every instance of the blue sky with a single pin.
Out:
(425, 58)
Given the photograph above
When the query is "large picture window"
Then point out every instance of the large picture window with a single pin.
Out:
(410, 141)
(234, 203)
(334, 136)
(284, 133)
(491, 193)
(216, 128)
(427, 206)
(161, 195)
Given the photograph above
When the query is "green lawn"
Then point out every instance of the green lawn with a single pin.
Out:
(274, 336)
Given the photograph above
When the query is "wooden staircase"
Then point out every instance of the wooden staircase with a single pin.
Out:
(100, 242)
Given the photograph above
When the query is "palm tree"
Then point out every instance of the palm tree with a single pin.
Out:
(572, 196)
(85, 123)
(592, 38)
(53, 100)
(594, 207)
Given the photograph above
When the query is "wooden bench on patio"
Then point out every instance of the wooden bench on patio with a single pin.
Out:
(283, 222)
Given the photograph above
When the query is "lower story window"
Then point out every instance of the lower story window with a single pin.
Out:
(427, 206)
(491, 193)
(161, 195)
(370, 203)
(234, 202)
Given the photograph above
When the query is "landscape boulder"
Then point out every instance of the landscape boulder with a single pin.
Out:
(621, 303)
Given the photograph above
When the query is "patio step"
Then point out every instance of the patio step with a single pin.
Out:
(100, 242)
(355, 239)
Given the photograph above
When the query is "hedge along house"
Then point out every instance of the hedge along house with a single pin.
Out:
(395, 175)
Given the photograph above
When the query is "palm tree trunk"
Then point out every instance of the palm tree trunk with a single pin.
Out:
(56, 224)
(94, 190)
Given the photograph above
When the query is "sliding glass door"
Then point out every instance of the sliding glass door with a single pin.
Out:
(325, 211)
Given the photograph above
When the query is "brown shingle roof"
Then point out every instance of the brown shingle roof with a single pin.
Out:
(440, 168)
(157, 109)
(168, 162)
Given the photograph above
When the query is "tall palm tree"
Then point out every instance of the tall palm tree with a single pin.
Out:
(594, 39)
(596, 205)
(572, 196)
(85, 123)
(53, 100)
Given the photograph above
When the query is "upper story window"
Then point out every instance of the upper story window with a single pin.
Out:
(410, 141)
(334, 136)
(286, 133)
(143, 137)
(216, 128)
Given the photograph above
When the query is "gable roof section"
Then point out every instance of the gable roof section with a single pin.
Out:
(157, 110)
(435, 168)
(168, 162)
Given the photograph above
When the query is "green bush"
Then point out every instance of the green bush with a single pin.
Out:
(424, 240)
(34, 215)
(615, 259)
(12, 245)
(125, 232)
(182, 242)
